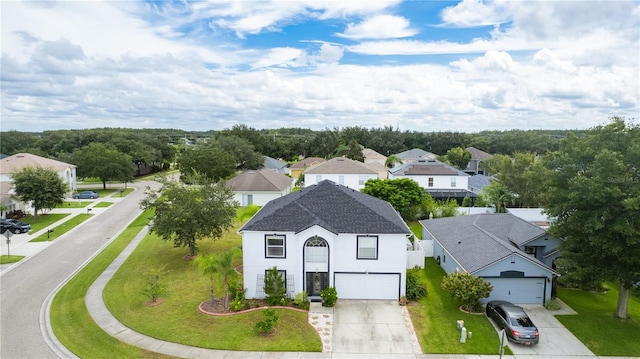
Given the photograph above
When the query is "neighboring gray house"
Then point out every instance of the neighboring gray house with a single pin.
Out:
(478, 182)
(440, 180)
(511, 253)
(342, 170)
(327, 235)
(477, 158)
(271, 163)
(259, 187)
(415, 154)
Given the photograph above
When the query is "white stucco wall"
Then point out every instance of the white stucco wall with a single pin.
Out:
(439, 182)
(259, 198)
(349, 180)
(392, 256)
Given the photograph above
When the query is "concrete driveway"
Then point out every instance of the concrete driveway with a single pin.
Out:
(371, 327)
(555, 339)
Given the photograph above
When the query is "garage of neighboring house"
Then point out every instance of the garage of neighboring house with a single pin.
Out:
(518, 290)
(367, 285)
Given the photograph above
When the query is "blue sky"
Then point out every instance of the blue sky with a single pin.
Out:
(466, 65)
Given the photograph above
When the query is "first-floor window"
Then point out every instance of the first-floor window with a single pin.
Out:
(430, 182)
(362, 180)
(274, 246)
(367, 247)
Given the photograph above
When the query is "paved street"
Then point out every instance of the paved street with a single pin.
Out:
(25, 287)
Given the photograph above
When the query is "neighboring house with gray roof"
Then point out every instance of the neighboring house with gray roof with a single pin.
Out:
(475, 165)
(296, 169)
(259, 186)
(342, 170)
(415, 154)
(478, 182)
(275, 165)
(515, 256)
(440, 180)
(327, 235)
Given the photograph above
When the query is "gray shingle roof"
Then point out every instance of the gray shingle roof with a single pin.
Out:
(263, 180)
(478, 240)
(415, 153)
(426, 167)
(272, 163)
(340, 165)
(334, 207)
(477, 154)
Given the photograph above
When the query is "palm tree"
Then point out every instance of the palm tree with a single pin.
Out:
(392, 161)
(208, 267)
(222, 265)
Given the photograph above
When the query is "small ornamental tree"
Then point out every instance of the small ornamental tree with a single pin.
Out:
(275, 287)
(41, 186)
(468, 288)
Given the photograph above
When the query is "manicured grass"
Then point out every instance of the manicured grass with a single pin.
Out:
(5, 259)
(43, 220)
(416, 228)
(74, 203)
(103, 204)
(62, 228)
(434, 319)
(72, 323)
(595, 325)
(177, 319)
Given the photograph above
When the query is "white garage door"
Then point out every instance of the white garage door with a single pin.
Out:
(367, 286)
(518, 290)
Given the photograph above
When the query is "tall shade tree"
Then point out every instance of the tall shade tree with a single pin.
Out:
(105, 162)
(592, 188)
(187, 213)
(206, 160)
(246, 157)
(43, 187)
(458, 157)
(404, 194)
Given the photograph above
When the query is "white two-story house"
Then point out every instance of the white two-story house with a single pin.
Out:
(341, 170)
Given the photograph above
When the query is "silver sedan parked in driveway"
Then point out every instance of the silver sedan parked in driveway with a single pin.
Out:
(515, 322)
(86, 195)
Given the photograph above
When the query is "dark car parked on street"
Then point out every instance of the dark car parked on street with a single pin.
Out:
(15, 226)
(86, 195)
(516, 323)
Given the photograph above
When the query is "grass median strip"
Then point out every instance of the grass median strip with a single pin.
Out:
(72, 323)
(5, 259)
(62, 228)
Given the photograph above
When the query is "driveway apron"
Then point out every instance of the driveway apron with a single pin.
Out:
(370, 326)
(555, 339)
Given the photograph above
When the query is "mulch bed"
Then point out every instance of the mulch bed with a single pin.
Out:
(217, 307)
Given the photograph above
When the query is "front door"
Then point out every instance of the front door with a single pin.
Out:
(316, 282)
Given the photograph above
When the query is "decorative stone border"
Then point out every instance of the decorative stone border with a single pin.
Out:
(247, 310)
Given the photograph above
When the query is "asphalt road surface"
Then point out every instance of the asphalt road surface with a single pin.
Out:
(24, 289)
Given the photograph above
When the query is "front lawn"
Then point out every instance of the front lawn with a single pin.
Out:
(435, 318)
(72, 323)
(43, 220)
(62, 228)
(177, 319)
(103, 204)
(595, 325)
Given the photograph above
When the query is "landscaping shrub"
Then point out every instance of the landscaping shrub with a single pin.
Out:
(552, 304)
(267, 325)
(329, 297)
(275, 288)
(415, 288)
(301, 301)
(468, 288)
(154, 286)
